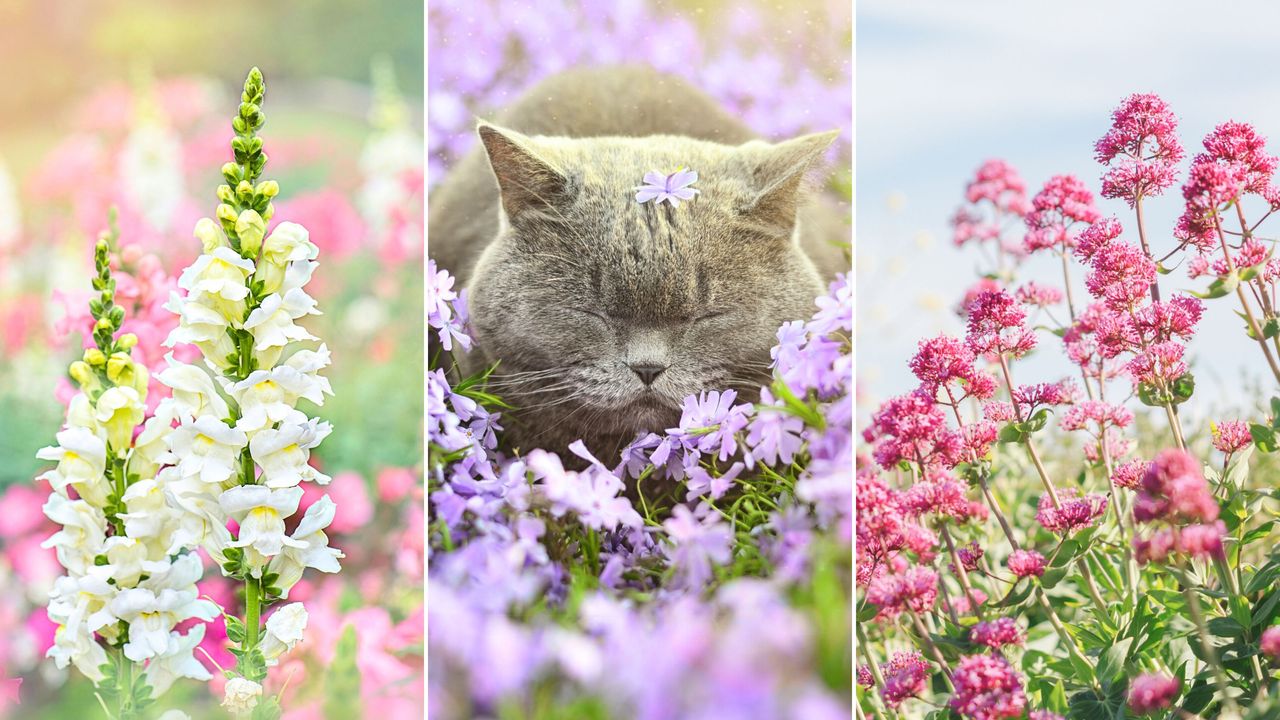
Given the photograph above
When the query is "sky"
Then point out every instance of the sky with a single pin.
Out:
(942, 86)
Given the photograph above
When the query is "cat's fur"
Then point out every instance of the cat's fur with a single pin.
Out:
(572, 283)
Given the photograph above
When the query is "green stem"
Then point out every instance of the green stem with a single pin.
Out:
(252, 612)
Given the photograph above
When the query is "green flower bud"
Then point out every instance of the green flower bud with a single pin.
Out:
(210, 235)
(83, 374)
(250, 227)
(225, 194)
(244, 189)
(127, 341)
(226, 215)
(94, 356)
(120, 369)
(268, 188)
(231, 172)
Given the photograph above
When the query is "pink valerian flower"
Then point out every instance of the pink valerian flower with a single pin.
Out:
(1231, 436)
(912, 428)
(977, 439)
(998, 411)
(1025, 563)
(1141, 150)
(1175, 318)
(1056, 209)
(1097, 236)
(865, 678)
(1117, 446)
(940, 495)
(1240, 144)
(1084, 345)
(1033, 397)
(1270, 642)
(960, 605)
(1151, 692)
(946, 365)
(1037, 295)
(1159, 364)
(1120, 275)
(997, 633)
(1202, 540)
(915, 590)
(1130, 474)
(1093, 416)
(880, 525)
(970, 555)
(1174, 489)
(905, 676)
(996, 326)
(1044, 715)
(998, 183)
(1075, 513)
(1210, 186)
(987, 688)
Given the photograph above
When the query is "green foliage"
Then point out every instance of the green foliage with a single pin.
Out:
(342, 679)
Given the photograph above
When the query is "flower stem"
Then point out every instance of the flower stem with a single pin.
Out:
(252, 612)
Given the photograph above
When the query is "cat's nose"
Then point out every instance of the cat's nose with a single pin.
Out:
(647, 372)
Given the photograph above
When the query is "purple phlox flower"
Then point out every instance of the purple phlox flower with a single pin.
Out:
(483, 429)
(821, 366)
(774, 435)
(792, 337)
(710, 421)
(835, 309)
(439, 295)
(700, 482)
(634, 460)
(670, 188)
(696, 546)
(788, 547)
(671, 456)
(592, 495)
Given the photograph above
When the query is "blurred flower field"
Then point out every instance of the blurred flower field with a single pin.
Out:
(349, 154)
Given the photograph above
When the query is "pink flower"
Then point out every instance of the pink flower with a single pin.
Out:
(1025, 563)
(998, 183)
(997, 633)
(1074, 514)
(865, 678)
(20, 510)
(905, 675)
(1044, 715)
(946, 364)
(1097, 412)
(1174, 489)
(394, 484)
(1120, 275)
(1150, 692)
(1062, 203)
(1037, 295)
(350, 494)
(1159, 364)
(912, 428)
(1270, 642)
(1130, 474)
(1097, 236)
(940, 495)
(1231, 436)
(987, 688)
(915, 590)
(970, 555)
(996, 326)
(1141, 149)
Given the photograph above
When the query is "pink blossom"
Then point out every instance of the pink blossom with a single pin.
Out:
(912, 428)
(1120, 275)
(1075, 512)
(865, 678)
(1174, 489)
(996, 326)
(1270, 642)
(905, 676)
(987, 688)
(1025, 563)
(1100, 414)
(998, 183)
(1130, 474)
(1150, 692)
(1037, 295)
(1231, 436)
(970, 555)
(997, 633)
(946, 364)
(394, 484)
(1159, 364)
(1141, 150)
(1097, 236)
(915, 590)
(1061, 204)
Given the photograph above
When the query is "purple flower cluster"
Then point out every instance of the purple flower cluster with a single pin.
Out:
(521, 536)
(753, 51)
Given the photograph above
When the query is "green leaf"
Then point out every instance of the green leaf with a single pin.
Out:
(1011, 433)
(1263, 437)
(1111, 663)
(1220, 287)
(1183, 388)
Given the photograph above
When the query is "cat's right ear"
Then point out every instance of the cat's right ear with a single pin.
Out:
(527, 182)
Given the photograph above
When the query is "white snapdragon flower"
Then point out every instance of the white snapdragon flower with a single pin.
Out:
(310, 549)
(82, 535)
(288, 244)
(285, 629)
(151, 447)
(128, 560)
(151, 172)
(177, 661)
(73, 601)
(147, 511)
(203, 326)
(119, 410)
(194, 393)
(272, 322)
(267, 397)
(240, 696)
(208, 449)
(283, 453)
(261, 511)
(199, 520)
(217, 279)
(157, 605)
(82, 459)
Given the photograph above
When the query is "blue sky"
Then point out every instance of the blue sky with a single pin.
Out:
(942, 86)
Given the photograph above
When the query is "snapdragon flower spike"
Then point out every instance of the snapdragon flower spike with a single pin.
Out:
(244, 446)
(131, 570)
(1141, 149)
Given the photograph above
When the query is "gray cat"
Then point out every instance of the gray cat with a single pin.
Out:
(605, 312)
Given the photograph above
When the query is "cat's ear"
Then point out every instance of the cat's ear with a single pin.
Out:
(778, 178)
(527, 181)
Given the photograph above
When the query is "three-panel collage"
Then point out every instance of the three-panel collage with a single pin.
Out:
(639, 360)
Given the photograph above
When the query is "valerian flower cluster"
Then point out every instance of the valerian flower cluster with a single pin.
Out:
(546, 579)
(1128, 574)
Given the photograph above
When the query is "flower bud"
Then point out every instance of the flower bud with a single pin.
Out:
(104, 324)
(210, 235)
(225, 194)
(231, 172)
(268, 188)
(82, 374)
(251, 228)
(127, 341)
(266, 214)
(120, 368)
(95, 357)
(226, 214)
(244, 190)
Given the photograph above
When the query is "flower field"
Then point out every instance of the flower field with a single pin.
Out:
(704, 572)
(1084, 546)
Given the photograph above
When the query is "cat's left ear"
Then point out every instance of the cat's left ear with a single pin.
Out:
(778, 175)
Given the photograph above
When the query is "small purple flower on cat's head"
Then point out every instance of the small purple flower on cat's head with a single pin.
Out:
(672, 188)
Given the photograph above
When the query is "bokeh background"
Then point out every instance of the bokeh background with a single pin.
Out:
(127, 104)
(943, 86)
